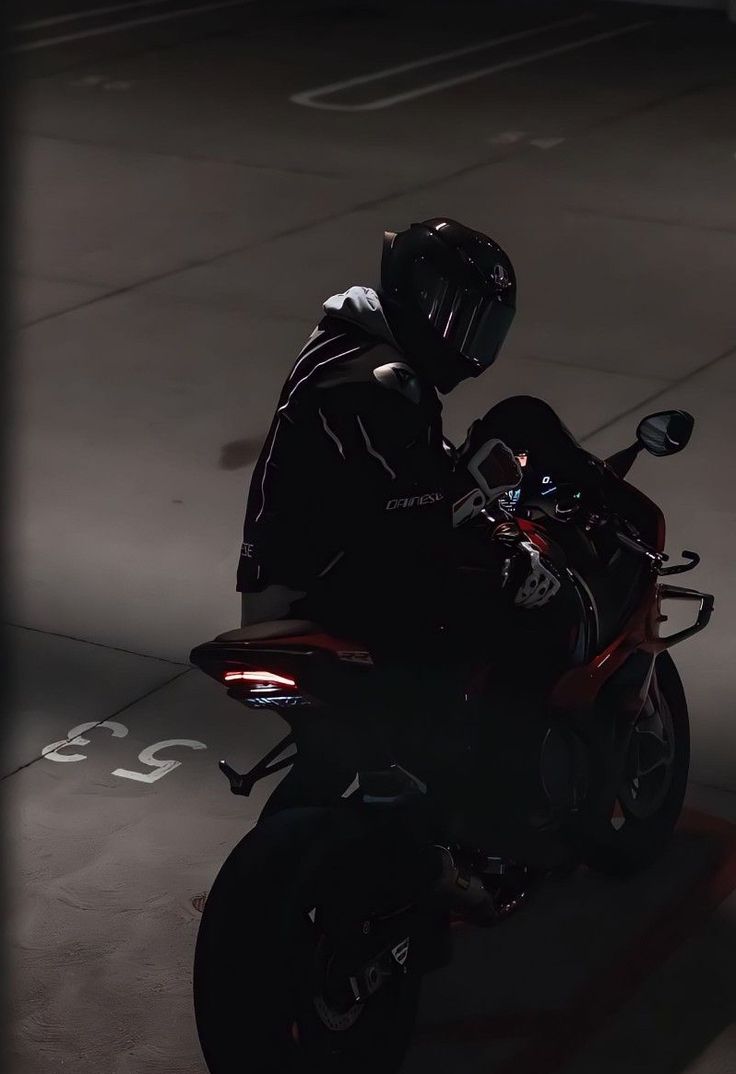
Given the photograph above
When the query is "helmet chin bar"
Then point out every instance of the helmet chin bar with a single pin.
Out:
(445, 384)
(445, 376)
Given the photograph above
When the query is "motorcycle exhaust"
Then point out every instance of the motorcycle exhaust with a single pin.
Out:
(480, 896)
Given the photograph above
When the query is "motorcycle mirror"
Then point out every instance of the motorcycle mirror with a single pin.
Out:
(666, 432)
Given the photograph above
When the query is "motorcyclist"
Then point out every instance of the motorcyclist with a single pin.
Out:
(357, 498)
(363, 517)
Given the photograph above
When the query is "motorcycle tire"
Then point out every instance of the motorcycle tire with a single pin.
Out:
(636, 833)
(259, 959)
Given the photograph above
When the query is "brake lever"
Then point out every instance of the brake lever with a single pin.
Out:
(656, 559)
(679, 568)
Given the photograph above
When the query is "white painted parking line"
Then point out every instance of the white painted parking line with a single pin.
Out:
(546, 143)
(508, 137)
(90, 13)
(119, 27)
(309, 97)
(512, 137)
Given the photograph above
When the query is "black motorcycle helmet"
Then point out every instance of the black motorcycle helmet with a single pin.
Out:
(449, 294)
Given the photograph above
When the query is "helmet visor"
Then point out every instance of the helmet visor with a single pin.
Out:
(473, 324)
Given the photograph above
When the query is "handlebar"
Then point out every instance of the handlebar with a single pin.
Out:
(679, 568)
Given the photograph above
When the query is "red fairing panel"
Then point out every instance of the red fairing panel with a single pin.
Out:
(580, 686)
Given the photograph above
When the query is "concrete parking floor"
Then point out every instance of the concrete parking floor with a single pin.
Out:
(183, 210)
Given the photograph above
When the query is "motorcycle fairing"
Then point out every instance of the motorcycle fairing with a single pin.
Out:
(579, 687)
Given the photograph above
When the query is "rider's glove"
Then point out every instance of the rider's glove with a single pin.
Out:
(540, 584)
(536, 581)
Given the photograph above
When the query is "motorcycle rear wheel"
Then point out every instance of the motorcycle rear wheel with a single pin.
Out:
(649, 801)
(261, 961)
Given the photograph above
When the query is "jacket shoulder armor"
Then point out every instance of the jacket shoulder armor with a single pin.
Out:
(399, 377)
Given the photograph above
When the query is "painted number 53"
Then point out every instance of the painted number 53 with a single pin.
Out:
(159, 766)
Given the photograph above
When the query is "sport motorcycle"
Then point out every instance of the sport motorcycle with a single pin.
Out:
(323, 920)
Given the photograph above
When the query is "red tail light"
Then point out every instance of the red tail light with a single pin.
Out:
(259, 678)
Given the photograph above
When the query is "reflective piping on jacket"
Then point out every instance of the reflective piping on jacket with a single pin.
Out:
(281, 411)
(265, 469)
(331, 434)
(331, 564)
(372, 451)
(308, 351)
(318, 365)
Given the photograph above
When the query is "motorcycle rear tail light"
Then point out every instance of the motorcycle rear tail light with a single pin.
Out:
(259, 678)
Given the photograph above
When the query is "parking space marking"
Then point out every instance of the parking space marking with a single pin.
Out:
(101, 82)
(309, 98)
(90, 13)
(75, 737)
(147, 756)
(160, 766)
(513, 137)
(546, 143)
(508, 137)
(130, 24)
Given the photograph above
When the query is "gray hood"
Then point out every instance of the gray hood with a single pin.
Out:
(362, 306)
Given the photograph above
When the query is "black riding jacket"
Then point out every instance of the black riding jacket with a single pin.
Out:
(350, 503)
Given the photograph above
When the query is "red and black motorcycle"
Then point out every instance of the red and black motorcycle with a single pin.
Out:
(322, 921)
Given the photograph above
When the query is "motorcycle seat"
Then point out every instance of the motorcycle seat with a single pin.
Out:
(276, 628)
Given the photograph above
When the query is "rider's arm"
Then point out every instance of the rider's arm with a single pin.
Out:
(492, 466)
